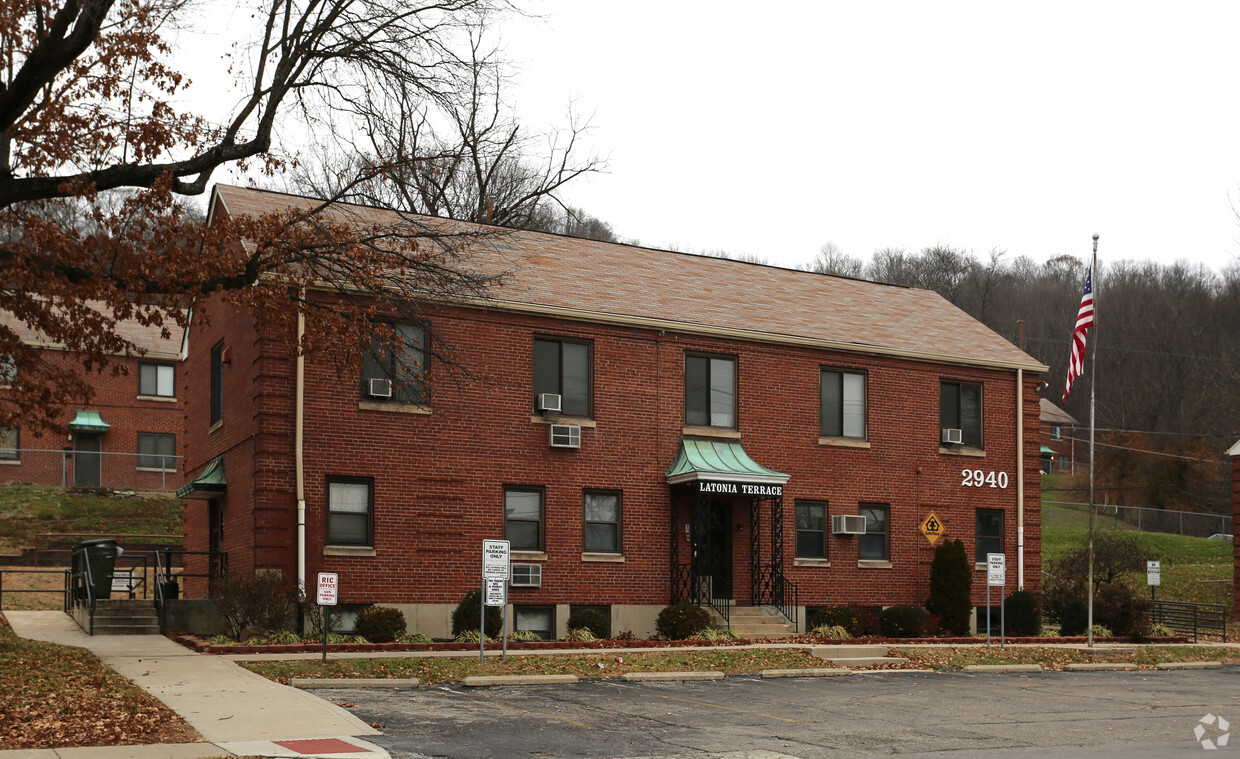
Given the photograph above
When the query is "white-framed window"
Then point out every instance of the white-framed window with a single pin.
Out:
(157, 380)
(350, 511)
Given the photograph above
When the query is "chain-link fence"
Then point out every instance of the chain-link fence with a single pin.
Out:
(1142, 518)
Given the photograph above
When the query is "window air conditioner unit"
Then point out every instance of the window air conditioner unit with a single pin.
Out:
(526, 576)
(380, 387)
(952, 436)
(549, 402)
(565, 436)
(848, 524)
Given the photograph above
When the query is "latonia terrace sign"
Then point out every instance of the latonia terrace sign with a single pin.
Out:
(741, 488)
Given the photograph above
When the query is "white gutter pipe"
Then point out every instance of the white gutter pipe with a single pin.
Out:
(1020, 479)
(299, 459)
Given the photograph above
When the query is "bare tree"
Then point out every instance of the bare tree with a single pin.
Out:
(462, 154)
(832, 260)
(88, 121)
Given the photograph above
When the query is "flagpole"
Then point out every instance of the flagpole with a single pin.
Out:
(1093, 373)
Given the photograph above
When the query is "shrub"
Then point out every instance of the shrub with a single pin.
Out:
(1122, 609)
(1073, 618)
(625, 635)
(847, 617)
(471, 636)
(466, 616)
(257, 600)
(523, 636)
(590, 619)
(1161, 631)
(682, 621)
(712, 634)
(834, 632)
(951, 582)
(1101, 631)
(579, 635)
(286, 638)
(415, 638)
(380, 624)
(904, 621)
(1023, 614)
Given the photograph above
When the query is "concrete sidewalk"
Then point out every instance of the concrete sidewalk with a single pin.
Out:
(236, 711)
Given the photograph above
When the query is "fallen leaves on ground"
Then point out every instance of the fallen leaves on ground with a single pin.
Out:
(54, 696)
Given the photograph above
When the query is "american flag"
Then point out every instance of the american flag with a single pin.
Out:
(1084, 320)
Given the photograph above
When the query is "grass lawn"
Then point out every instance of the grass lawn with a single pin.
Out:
(55, 696)
(1193, 569)
(26, 510)
(452, 670)
(946, 657)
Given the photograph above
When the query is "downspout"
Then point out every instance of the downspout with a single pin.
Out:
(299, 459)
(1020, 479)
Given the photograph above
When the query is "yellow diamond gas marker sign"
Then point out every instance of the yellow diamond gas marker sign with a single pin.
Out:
(932, 528)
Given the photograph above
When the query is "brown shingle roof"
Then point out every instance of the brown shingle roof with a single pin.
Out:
(609, 282)
(1052, 414)
(146, 339)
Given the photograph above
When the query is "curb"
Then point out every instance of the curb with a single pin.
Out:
(1174, 665)
(481, 680)
(637, 677)
(306, 683)
(1012, 668)
(1099, 667)
(822, 672)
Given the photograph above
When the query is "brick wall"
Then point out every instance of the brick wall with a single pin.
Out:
(43, 460)
(439, 477)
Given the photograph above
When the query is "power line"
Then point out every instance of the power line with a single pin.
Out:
(1143, 450)
(1146, 487)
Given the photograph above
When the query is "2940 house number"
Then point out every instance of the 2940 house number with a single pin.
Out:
(976, 478)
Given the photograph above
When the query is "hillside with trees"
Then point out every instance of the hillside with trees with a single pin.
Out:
(1168, 357)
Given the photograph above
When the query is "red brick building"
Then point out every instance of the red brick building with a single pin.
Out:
(1060, 449)
(128, 436)
(725, 432)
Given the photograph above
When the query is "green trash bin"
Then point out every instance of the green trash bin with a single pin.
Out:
(100, 556)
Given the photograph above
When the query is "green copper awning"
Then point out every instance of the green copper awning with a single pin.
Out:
(210, 483)
(89, 421)
(718, 461)
(1047, 451)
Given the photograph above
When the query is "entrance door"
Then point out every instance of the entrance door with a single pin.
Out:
(712, 550)
(86, 447)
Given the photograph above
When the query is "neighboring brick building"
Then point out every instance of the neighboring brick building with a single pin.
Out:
(1234, 452)
(716, 417)
(126, 437)
(1060, 451)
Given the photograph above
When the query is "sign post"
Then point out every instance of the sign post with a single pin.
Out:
(328, 595)
(496, 558)
(1153, 576)
(996, 577)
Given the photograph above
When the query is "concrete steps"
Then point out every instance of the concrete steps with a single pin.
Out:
(755, 623)
(126, 617)
(854, 655)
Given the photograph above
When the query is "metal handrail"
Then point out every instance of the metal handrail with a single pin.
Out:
(1190, 618)
(778, 591)
(64, 590)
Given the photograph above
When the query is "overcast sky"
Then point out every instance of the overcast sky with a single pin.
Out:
(770, 129)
